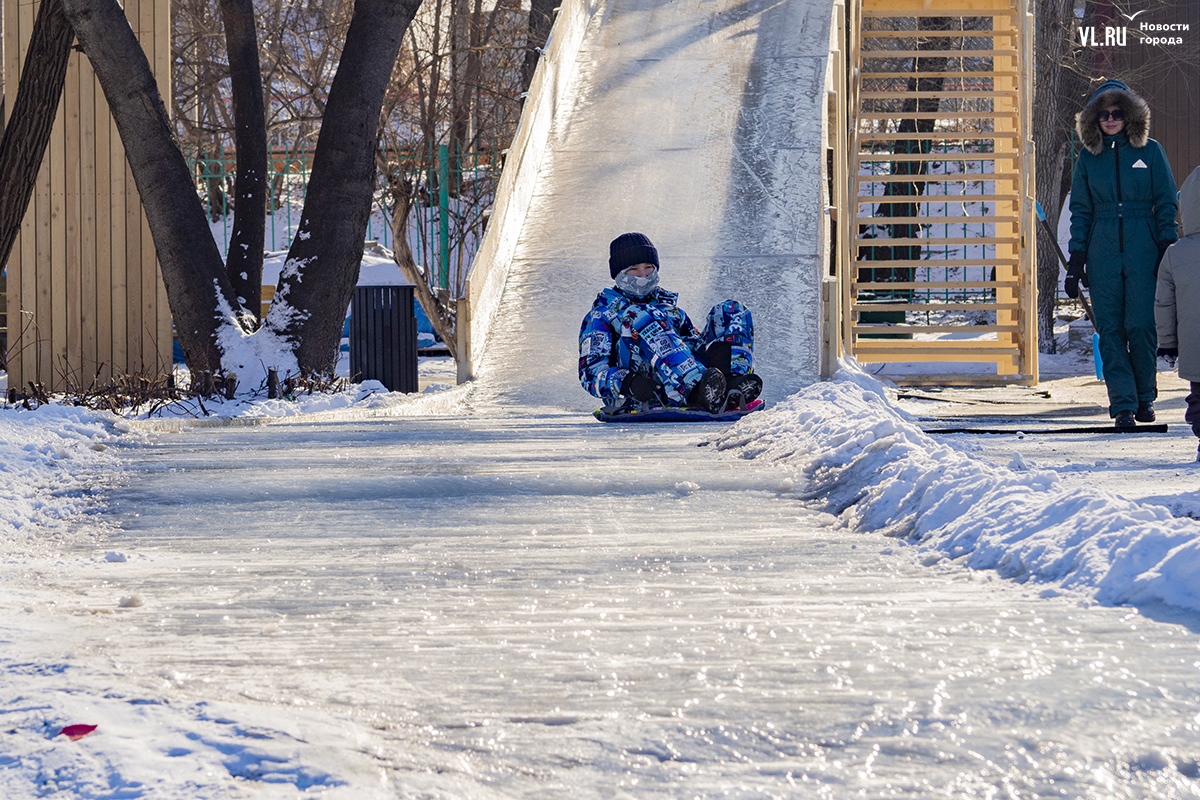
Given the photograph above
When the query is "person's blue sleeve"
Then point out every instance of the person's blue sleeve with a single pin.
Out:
(599, 372)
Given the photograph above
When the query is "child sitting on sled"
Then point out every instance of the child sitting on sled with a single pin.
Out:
(637, 346)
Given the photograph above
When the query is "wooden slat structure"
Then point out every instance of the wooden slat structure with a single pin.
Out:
(85, 296)
(268, 295)
(937, 224)
(838, 87)
(3, 322)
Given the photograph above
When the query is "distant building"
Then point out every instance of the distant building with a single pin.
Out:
(1161, 62)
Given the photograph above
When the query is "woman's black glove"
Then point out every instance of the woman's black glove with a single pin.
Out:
(639, 387)
(1171, 354)
(1076, 273)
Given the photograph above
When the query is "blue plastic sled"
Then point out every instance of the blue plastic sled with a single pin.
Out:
(670, 414)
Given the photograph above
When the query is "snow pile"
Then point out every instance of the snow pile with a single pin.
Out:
(48, 459)
(250, 355)
(146, 746)
(369, 398)
(864, 460)
(378, 267)
(55, 460)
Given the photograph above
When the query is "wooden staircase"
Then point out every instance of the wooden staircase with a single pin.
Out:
(939, 228)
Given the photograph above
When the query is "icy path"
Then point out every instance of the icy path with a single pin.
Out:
(521, 603)
(540, 606)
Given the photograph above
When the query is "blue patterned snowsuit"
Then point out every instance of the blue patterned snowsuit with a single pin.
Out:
(652, 335)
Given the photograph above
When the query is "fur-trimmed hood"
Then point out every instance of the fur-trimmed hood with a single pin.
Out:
(1135, 109)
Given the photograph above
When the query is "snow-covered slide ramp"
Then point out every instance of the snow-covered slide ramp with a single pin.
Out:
(696, 122)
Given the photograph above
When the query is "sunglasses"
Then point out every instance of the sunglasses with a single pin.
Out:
(1115, 114)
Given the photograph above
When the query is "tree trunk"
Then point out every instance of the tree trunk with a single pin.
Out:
(462, 30)
(1060, 85)
(33, 112)
(482, 37)
(198, 291)
(244, 263)
(541, 17)
(1050, 150)
(322, 266)
(440, 314)
(431, 91)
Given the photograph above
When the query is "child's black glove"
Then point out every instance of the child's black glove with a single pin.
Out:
(1162, 251)
(1076, 273)
(639, 387)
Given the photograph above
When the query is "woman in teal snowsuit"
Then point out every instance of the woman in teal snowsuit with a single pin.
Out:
(1123, 204)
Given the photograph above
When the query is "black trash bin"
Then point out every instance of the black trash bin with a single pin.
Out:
(383, 337)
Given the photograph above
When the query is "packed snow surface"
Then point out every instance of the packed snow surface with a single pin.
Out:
(394, 596)
(864, 461)
(481, 592)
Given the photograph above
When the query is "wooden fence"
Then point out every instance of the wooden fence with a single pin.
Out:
(85, 298)
(3, 322)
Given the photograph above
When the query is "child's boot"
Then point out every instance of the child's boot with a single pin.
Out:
(749, 386)
(709, 392)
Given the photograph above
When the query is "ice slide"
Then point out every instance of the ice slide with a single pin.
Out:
(696, 122)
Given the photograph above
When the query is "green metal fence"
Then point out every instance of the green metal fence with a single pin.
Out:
(449, 195)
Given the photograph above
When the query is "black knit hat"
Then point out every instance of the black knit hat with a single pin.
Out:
(629, 249)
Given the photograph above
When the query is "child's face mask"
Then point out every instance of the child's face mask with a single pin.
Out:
(638, 287)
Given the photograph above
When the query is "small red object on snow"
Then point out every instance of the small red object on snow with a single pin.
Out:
(76, 732)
